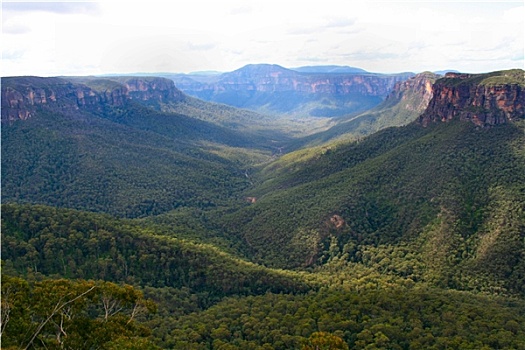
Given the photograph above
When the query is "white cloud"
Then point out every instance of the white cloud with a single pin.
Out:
(112, 36)
(69, 7)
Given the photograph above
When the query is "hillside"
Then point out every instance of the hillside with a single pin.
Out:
(310, 91)
(162, 95)
(208, 299)
(135, 216)
(443, 190)
(60, 137)
(404, 104)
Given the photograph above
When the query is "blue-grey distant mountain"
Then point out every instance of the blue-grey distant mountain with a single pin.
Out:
(205, 72)
(329, 69)
(445, 71)
(273, 89)
(405, 103)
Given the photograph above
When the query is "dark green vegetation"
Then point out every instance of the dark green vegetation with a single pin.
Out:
(132, 159)
(411, 238)
(443, 193)
(513, 76)
(115, 166)
(207, 299)
(401, 107)
(66, 314)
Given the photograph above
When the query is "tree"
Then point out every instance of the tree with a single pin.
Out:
(325, 341)
(69, 313)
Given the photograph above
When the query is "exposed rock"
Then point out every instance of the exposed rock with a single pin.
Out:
(277, 89)
(272, 78)
(22, 95)
(414, 93)
(484, 99)
(337, 221)
(251, 199)
(149, 89)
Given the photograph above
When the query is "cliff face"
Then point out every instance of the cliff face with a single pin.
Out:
(151, 89)
(21, 96)
(272, 89)
(413, 94)
(484, 99)
(274, 78)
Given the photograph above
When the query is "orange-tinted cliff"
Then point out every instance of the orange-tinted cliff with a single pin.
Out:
(484, 99)
(21, 96)
(413, 94)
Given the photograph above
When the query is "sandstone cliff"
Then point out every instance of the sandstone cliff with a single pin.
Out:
(21, 96)
(273, 89)
(413, 94)
(484, 99)
(274, 78)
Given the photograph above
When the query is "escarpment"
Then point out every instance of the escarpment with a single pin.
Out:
(484, 99)
(21, 96)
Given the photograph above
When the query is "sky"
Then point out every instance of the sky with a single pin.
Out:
(114, 37)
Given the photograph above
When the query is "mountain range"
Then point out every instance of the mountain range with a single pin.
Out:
(319, 91)
(398, 225)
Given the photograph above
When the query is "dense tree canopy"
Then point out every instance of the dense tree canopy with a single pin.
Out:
(180, 225)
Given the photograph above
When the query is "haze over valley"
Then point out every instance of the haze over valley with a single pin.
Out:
(263, 176)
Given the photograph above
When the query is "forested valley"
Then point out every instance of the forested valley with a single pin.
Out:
(148, 219)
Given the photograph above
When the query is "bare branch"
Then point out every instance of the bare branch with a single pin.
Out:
(57, 308)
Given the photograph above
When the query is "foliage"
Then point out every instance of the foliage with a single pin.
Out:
(259, 125)
(56, 160)
(410, 238)
(511, 76)
(72, 244)
(447, 183)
(71, 314)
(385, 317)
(399, 108)
(325, 341)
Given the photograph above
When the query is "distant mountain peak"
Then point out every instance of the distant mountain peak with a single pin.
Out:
(330, 69)
(273, 89)
(260, 69)
(445, 71)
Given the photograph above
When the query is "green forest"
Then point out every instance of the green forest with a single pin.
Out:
(191, 225)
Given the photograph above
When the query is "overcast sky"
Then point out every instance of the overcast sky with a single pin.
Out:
(82, 38)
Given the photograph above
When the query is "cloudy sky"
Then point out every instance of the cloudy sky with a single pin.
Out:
(81, 38)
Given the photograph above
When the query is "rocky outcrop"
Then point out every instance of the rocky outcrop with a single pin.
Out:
(21, 96)
(413, 94)
(272, 89)
(274, 78)
(151, 89)
(484, 99)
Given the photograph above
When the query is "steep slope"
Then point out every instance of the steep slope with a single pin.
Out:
(484, 99)
(105, 148)
(162, 95)
(208, 299)
(404, 104)
(95, 246)
(450, 193)
(388, 228)
(277, 90)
